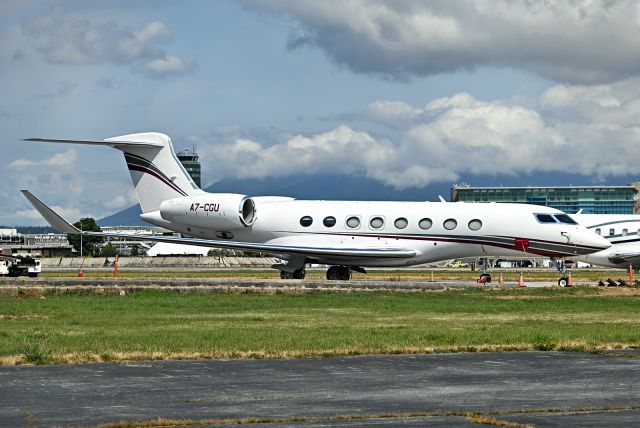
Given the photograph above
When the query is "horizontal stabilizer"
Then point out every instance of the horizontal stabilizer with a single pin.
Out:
(115, 143)
(55, 220)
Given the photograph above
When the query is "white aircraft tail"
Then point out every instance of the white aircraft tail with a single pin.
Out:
(156, 172)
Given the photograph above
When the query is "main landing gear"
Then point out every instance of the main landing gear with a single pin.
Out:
(339, 273)
(297, 274)
(561, 267)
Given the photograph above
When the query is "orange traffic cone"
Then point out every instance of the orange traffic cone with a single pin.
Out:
(432, 280)
(501, 279)
(521, 280)
(569, 281)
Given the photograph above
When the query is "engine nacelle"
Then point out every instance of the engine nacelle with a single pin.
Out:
(214, 211)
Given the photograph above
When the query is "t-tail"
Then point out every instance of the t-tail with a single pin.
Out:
(156, 172)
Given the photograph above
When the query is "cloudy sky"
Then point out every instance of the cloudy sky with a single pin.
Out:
(407, 93)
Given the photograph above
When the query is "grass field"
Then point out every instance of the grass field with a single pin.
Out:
(158, 325)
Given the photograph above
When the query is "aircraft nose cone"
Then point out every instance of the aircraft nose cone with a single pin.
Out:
(592, 239)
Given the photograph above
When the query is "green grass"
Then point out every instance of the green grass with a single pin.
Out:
(159, 324)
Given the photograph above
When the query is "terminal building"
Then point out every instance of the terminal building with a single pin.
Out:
(190, 160)
(570, 199)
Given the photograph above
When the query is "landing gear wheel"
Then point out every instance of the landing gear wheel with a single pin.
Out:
(563, 282)
(298, 274)
(485, 278)
(339, 273)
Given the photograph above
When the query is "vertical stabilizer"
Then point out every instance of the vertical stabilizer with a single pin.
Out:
(156, 172)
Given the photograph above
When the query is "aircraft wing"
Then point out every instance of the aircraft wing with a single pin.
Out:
(6, 257)
(63, 226)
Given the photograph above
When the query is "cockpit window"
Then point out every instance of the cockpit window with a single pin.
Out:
(563, 218)
(545, 218)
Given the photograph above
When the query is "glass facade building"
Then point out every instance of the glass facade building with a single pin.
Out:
(570, 199)
(190, 160)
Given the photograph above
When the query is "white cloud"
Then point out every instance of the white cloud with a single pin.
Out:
(63, 39)
(451, 137)
(65, 158)
(393, 111)
(34, 216)
(165, 66)
(581, 41)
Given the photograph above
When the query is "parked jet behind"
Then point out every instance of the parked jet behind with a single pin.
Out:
(344, 234)
(622, 230)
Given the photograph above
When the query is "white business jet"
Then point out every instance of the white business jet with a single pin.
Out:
(622, 231)
(343, 234)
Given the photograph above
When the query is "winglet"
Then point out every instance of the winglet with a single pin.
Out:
(53, 218)
(441, 198)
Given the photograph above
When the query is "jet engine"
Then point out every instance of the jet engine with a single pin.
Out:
(214, 211)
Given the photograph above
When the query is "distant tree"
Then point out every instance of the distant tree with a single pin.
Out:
(135, 250)
(89, 243)
(109, 250)
(215, 252)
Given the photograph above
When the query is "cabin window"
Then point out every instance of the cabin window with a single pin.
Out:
(625, 232)
(475, 224)
(450, 224)
(401, 223)
(612, 232)
(598, 231)
(425, 223)
(353, 222)
(376, 222)
(306, 221)
(563, 218)
(329, 221)
(545, 218)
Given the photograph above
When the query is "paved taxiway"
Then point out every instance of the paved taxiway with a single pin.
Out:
(506, 383)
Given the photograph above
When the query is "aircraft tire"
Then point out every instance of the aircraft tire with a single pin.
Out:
(563, 282)
(339, 273)
(485, 278)
(286, 275)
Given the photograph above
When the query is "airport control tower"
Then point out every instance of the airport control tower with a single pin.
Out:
(189, 159)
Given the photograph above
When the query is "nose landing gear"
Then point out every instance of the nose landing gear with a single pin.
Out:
(559, 264)
(485, 276)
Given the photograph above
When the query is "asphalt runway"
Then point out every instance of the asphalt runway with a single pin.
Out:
(540, 388)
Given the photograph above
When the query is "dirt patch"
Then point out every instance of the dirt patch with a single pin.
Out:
(524, 297)
(23, 317)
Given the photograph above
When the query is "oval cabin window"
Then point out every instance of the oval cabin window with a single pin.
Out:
(425, 223)
(475, 224)
(353, 222)
(401, 223)
(306, 221)
(329, 221)
(376, 222)
(450, 224)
